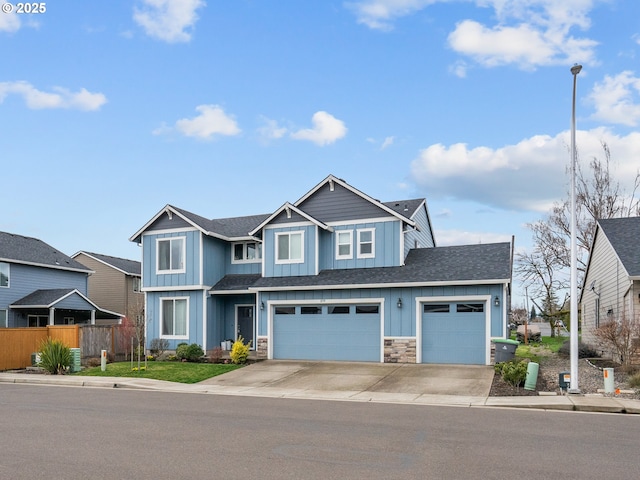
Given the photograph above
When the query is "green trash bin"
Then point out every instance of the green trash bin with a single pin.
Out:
(505, 349)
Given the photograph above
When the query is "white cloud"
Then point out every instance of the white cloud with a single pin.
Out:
(529, 33)
(380, 14)
(58, 98)
(388, 141)
(617, 99)
(211, 121)
(168, 20)
(326, 129)
(527, 176)
(271, 130)
(9, 22)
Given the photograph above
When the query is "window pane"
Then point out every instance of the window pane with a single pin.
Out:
(251, 251)
(4, 274)
(339, 309)
(176, 254)
(365, 236)
(469, 307)
(366, 308)
(365, 248)
(310, 310)
(283, 247)
(167, 317)
(163, 255)
(436, 308)
(237, 251)
(285, 310)
(296, 246)
(3, 319)
(180, 317)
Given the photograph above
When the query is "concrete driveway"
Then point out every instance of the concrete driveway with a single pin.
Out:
(349, 379)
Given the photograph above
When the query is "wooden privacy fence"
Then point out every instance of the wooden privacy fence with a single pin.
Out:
(17, 344)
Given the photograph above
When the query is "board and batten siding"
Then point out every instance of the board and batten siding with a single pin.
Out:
(196, 311)
(307, 267)
(611, 283)
(191, 276)
(398, 322)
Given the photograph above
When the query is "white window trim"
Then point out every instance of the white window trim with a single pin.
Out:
(373, 243)
(184, 255)
(289, 260)
(174, 337)
(8, 275)
(350, 255)
(258, 259)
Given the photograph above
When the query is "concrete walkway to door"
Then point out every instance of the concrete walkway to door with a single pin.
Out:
(358, 381)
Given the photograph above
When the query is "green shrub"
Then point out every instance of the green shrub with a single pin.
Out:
(513, 372)
(190, 353)
(239, 351)
(55, 356)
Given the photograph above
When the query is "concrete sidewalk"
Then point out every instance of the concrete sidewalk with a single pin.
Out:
(451, 385)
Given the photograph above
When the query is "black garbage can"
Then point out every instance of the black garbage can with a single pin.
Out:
(505, 349)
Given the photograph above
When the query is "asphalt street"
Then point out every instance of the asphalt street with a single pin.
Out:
(54, 432)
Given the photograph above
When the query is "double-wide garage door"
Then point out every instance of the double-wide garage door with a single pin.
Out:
(454, 332)
(327, 332)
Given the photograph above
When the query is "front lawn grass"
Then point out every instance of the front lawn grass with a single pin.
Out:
(180, 372)
(534, 351)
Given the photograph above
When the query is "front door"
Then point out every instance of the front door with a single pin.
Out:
(244, 323)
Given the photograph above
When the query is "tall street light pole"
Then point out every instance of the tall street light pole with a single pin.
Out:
(574, 388)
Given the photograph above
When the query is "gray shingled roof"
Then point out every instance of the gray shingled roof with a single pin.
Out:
(476, 263)
(43, 297)
(405, 208)
(21, 249)
(130, 267)
(228, 227)
(237, 282)
(624, 236)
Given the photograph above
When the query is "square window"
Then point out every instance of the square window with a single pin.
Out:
(289, 247)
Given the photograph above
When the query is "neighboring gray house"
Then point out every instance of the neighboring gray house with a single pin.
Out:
(611, 287)
(41, 286)
(114, 285)
(336, 275)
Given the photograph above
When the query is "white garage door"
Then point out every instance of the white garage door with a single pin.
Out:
(327, 332)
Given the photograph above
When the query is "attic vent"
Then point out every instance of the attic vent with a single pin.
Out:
(406, 207)
(331, 186)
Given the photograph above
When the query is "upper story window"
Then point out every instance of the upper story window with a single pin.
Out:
(135, 282)
(246, 252)
(4, 274)
(289, 247)
(344, 244)
(171, 255)
(4, 319)
(366, 243)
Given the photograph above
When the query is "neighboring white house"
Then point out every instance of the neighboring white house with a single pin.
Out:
(611, 288)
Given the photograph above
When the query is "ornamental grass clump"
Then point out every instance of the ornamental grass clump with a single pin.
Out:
(55, 356)
(239, 351)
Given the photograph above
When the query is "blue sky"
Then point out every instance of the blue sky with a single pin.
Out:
(111, 109)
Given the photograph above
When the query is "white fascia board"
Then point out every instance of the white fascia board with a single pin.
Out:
(284, 207)
(231, 292)
(353, 286)
(182, 288)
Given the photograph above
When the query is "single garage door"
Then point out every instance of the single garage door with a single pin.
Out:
(454, 333)
(327, 332)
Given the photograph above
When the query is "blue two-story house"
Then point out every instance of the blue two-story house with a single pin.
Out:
(336, 275)
(42, 286)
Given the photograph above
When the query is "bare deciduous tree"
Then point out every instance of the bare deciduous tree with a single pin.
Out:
(620, 337)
